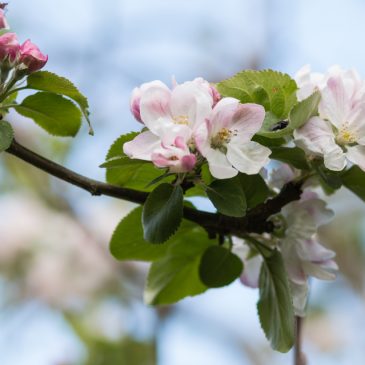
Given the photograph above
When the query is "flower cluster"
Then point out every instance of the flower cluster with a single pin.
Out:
(23, 58)
(192, 122)
(303, 255)
(337, 134)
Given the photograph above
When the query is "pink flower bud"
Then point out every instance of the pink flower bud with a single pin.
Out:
(3, 23)
(32, 57)
(135, 102)
(9, 47)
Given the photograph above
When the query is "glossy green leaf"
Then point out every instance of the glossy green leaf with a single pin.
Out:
(6, 135)
(162, 213)
(176, 276)
(55, 114)
(274, 127)
(219, 267)
(127, 242)
(275, 306)
(330, 180)
(274, 90)
(228, 197)
(269, 142)
(50, 82)
(255, 189)
(121, 162)
(293, 156)
(304, 110)
(354, 180)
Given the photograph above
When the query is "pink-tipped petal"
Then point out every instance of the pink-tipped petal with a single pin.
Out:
(247, 121)
(142, 146)
(154, 104)
(32, 57)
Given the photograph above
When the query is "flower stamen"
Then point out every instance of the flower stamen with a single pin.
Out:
(181, 119)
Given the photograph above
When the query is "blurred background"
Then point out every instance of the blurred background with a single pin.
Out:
(63, 299)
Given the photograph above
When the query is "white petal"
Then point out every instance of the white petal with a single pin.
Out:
(142, 146)
(251, 272)
(292, 261)
(317, 137)
(155, 104)
(247, 121)
(222, 115)
(334, 159)
(356, 155)
(300, 297)
(357, 123)
(219, 166)
(248, 158)
(324, 270)
(335, 104)
(311, 250)
(192, 101)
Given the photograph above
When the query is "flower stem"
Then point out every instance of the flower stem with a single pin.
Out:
(299, 358)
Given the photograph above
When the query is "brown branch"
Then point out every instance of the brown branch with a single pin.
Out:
(254, 222)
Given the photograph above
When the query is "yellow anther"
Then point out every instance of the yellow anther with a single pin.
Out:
(181, 119)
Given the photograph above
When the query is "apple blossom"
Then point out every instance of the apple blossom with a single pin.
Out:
(9, 47)
(176, 156)
(154, 100)
(303, 255)
(338, 134)
(171, 117)
(224, 139)
(32, 57)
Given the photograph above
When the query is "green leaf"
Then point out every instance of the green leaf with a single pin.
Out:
(219, 267)
(275, 307)
(176, 276)
(228, 197)
(292, 156)
(354, 180)
(274, 127)
(255, 189)
(122, 161)
(206, 175)
(274, 90)
(162, 213)
(55, 114)
(127, 242)
(304, 110)
(269, 142)
(330, 180)
(50, 82)
(6, 135)
(134, 174)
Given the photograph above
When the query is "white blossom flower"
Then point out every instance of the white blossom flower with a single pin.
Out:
(303, 255)
(338, 134)
(171, 117)
(225, 139)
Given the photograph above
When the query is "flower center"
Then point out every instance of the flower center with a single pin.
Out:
(221, 138)
(181, 119)
(173, 158)
(345, 136)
